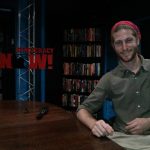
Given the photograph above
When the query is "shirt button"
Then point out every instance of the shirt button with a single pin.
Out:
(134, 76)
(139, 106)
(137, 92)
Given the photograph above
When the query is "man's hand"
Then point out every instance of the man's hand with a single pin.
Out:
(138, 125)
(100, 128)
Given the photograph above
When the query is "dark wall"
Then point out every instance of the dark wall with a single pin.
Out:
(7, 45)
(145, 40)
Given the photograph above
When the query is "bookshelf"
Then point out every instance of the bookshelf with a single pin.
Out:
(82, 64)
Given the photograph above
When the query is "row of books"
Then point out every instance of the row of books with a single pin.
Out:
(93, 69)
(77, 85)
(82, 50)
(82, 34)
(72, 100)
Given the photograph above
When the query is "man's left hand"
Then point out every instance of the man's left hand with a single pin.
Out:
(138, 125)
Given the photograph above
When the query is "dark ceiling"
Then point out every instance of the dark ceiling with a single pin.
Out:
(113, 8)
(70, 10)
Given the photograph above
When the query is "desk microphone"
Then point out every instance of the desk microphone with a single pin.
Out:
(43, 111)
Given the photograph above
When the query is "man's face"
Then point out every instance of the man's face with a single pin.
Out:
(125, 44)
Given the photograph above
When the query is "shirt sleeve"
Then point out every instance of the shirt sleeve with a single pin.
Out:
(94, 101)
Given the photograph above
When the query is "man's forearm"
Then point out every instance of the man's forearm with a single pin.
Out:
(86, 118)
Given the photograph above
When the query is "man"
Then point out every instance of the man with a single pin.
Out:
(128, 86)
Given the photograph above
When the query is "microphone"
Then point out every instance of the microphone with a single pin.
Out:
(43, 111)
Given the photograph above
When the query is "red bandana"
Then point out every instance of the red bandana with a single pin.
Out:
(128, 23)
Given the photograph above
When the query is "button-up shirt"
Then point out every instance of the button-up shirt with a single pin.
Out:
(129, 92)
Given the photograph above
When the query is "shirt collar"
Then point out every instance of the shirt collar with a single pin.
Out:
(145, 65)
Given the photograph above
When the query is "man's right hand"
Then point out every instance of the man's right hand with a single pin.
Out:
(101, 128)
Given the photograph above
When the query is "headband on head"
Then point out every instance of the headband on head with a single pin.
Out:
(127, 23)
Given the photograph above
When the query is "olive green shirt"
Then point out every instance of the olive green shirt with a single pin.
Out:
(129, 92)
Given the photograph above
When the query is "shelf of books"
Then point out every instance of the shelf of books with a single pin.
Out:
(82, 52)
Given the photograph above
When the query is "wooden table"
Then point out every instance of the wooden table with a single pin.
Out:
(57, 130)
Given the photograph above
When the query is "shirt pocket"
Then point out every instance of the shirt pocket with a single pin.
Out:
(120, 88)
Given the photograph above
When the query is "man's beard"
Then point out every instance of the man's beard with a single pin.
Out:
(133, 55)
